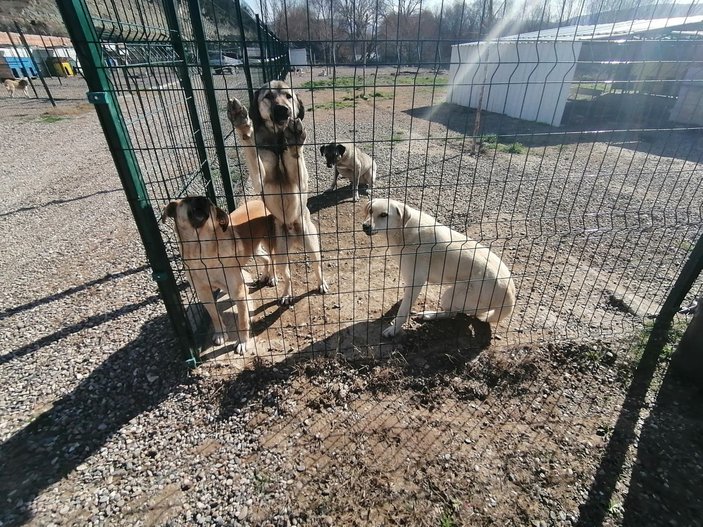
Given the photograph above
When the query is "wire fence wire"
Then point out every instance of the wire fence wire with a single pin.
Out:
(565, 137)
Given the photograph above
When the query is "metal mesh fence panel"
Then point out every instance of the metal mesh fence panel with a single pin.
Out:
(565, 138)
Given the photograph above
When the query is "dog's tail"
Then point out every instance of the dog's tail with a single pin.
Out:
(497, 314)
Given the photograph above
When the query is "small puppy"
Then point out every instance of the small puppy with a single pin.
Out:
(12, 85)
(474, 280)
(214, 247)
(351, 163)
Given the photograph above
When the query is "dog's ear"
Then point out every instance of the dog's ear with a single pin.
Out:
(367, 207)
(406, 215)
(222, 218)
(169, 211)
(402, 210)
(341, 149)
(301, 107)
(254, 112)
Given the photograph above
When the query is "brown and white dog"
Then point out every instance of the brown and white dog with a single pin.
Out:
(215, 247)
(273, 136)
(12, 85)
(474, 280)
(351, 163)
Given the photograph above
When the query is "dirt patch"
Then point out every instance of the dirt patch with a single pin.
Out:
(507, 437)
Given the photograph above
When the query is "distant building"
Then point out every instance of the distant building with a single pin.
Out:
(531, 75)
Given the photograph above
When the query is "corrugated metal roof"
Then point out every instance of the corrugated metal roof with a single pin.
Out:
(605, 31)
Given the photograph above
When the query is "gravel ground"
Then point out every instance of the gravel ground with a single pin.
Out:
(102, 424)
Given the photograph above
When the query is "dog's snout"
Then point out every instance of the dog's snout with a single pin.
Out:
(366, 228)
(281, 113)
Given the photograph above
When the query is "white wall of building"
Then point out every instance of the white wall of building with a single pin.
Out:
(298, 57)
(689, 103)
(526, 80)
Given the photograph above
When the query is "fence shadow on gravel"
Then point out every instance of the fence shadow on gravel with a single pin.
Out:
(66, 293)
(59, 202)
(59, 440)
(667, 475)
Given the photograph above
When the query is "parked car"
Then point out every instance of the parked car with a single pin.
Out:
(221, 63)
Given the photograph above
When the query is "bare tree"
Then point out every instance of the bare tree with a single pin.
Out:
(360, 20)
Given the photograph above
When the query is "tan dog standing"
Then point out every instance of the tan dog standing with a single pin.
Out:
(351, 163)
(215, 247)
(273, 137)
(12, 85)
(474, 280)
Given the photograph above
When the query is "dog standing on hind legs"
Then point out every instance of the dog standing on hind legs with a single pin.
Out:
(273, 137)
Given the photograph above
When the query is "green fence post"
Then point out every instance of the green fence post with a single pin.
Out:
(87, 45)
(262, 51)
(689, 273)
(184, 79)
(247, 66)
(209, 84)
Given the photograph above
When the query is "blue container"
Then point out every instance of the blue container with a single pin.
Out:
(22, 66)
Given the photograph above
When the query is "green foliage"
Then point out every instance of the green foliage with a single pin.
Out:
(447, 520)
(339, 82)
(345, 103)
(398, 136)
(49, 118)
(514, 148)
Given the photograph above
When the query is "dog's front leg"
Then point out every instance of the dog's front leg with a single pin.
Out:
(241, 122)
(204, 290)
(238, 294)
(410, 295)
(414, 273)
(333, 186)
(355, 184)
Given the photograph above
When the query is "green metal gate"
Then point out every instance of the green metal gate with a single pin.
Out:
(160, 75)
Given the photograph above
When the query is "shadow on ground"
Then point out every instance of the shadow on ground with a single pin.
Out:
(667, 475)
(635, 122)
(437, 347)
(131, 381)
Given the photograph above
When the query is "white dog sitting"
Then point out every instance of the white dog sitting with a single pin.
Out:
(475, 281)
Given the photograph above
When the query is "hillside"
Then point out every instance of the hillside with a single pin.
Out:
(42, 16)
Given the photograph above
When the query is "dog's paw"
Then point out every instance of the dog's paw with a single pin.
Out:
(241, 348)
(295, 132)
(392, 331)
(269, 281)
(324, 288)
(237, 113)
(285, 300)
(356, 197)
(218, 339)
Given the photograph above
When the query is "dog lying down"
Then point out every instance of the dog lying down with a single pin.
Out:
(474, 280)
(215, 247)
